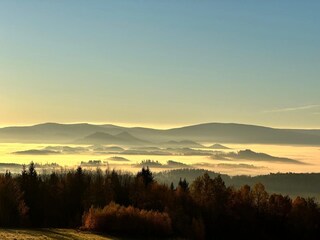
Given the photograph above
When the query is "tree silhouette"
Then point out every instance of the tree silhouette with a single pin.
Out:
(260, 196)
(146, 175)
(13, 210)
(183, 185)
(30, 185)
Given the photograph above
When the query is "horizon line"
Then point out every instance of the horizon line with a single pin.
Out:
(154, 126)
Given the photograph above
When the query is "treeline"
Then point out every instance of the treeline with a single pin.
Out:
(122, 203)
(293, 184)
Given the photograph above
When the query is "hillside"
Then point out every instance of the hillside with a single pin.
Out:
(293, 184)
(209, 132)
(49, 234)
(123, 138)
(52, 132)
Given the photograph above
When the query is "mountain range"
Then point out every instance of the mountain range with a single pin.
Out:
(123, 138)
(85, 133)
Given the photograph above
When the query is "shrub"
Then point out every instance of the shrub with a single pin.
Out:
(115, 218)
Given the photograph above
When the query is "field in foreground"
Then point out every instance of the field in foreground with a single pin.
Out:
(48, 234)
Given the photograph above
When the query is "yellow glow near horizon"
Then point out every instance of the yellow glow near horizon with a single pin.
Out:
(307, 155)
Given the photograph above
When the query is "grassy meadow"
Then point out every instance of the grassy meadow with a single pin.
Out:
(48, 234)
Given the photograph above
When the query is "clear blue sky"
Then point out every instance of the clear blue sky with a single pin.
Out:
(160, 63)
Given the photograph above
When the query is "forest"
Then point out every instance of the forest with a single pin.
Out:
(292, 184)
(136, 205)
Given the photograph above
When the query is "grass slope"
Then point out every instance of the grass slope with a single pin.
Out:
(48, 234)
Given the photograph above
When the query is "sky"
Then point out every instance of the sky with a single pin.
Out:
(160, 63)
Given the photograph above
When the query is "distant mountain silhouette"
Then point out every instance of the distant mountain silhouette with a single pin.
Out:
(208, 132)
(125, 136)
(254, 156)
(241, 133)
(53, 132)
(182, 144)
(36, 152)
(315, 132)
(218, 146)
(122, 138)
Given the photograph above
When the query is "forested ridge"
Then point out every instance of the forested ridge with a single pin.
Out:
(137, 205)
(292, 184)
